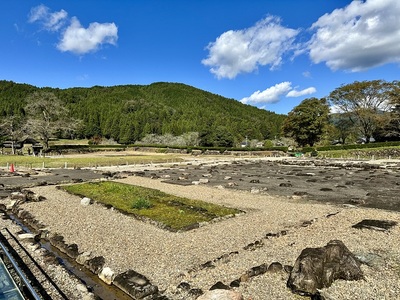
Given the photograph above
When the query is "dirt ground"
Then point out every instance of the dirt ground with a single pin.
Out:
(254, 238)
(375, 185)
(352, 183)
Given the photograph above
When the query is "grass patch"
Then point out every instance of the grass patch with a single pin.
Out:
(89, 161)
(174, 212)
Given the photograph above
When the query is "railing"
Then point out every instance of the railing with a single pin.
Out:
(29, 284)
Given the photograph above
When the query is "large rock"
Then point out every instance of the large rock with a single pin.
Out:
(380, 225)
(317, 268)
(134, 284)
(221, 295)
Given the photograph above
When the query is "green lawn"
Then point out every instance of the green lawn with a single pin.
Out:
(175, 212)
(84, 162)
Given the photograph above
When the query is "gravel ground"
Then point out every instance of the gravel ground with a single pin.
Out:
(168, 259)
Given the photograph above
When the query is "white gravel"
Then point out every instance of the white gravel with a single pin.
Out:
(168, 258)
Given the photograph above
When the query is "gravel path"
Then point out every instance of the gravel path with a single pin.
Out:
(168, 259)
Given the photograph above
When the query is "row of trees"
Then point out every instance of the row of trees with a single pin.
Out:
(127, 114)
(367, 109)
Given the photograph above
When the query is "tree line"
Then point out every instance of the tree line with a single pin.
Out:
(129, 113)
(162, 112)
(363, 111)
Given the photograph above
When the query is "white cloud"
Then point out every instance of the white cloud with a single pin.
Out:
(362, 35)
(274, 93)
(80, 40)
(50, 21)
(307, 91)
(242, 51)
(74, 38)
(270, 95)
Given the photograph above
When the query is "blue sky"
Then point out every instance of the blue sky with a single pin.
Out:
(266, 53)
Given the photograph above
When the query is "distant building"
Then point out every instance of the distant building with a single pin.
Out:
(26, 145)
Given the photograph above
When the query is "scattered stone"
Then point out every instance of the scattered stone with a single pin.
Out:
(219, 286)
(275, 267)
(254, 190)
(72, 251)
(332, 214)
(83, 258)
(317, 268)
(287, 268)
(357, 201)
(27, 237)
(95, 264)
(235, 283)
(196, 292)
(85, 201)
(300, 194)
(380, 225)
(253, 246)
(255, 181)
(244, 278)
(258, 270)
(18, 196)
(107, 275)
(10, 204)
(183, 286)
(57, 241)
(312, 180)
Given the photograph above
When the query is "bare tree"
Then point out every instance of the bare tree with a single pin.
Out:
(13, 128)
(47, 115)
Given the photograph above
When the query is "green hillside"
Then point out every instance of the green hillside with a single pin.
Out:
(127, 113)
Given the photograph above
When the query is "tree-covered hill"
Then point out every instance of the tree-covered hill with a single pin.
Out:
(127, 113)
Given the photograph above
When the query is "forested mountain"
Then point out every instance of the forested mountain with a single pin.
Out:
(127, 113)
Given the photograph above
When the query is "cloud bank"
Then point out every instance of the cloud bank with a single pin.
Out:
(242, 51)
(74, 37)
(362, 35)
(274, 93)
(358, 37)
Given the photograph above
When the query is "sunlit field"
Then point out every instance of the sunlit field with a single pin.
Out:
(86, 160)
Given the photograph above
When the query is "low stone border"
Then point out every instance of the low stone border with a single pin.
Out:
(132, 283)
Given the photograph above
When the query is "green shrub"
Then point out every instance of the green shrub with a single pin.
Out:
(142, 203)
